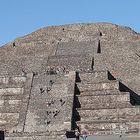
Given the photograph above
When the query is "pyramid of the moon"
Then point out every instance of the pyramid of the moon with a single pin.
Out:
(61, 78)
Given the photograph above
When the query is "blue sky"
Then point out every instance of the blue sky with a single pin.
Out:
(21, 17)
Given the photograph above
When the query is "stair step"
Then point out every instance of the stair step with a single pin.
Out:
(117, 121)
(96, 76)
(109, 126)
(101, 92)
(109, 105)
(109, 112)
(110, 85)
(104, 99)
(111, 118)
(101, 132)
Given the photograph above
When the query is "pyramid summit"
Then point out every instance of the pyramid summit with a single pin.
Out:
(62, 78)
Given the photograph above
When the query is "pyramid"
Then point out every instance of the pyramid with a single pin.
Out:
(62, 78)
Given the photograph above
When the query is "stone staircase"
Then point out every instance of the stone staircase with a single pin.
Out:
(101, 108)
(50, 105)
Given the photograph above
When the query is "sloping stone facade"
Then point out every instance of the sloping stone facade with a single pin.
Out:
(57, 79)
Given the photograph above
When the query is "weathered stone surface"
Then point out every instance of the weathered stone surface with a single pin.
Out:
(62, 77)
(98, 86)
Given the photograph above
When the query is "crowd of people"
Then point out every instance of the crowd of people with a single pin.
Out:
(57, 70)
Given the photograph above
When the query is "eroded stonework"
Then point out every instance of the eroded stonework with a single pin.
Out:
(57, 79)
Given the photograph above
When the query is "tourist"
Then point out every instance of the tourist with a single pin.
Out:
(41, 90)
(84, 134)
(77, 134)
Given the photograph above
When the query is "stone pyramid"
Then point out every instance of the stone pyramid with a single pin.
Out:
(61, 78)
